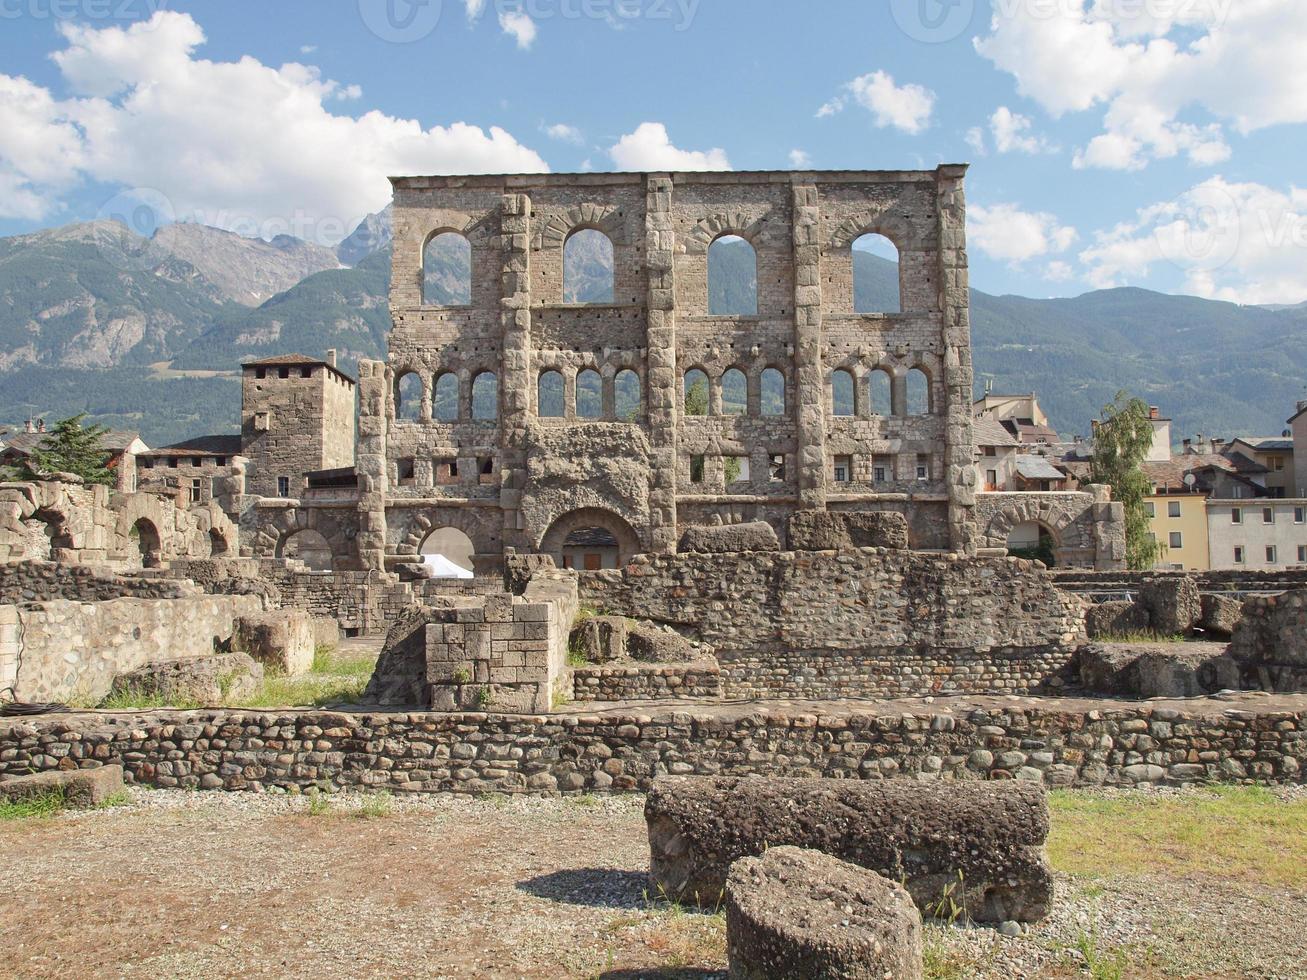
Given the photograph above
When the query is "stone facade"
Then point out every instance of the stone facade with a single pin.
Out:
(1060, 742)
(524, 480)
(1269, 642)
(1088, 528)
(699, 681)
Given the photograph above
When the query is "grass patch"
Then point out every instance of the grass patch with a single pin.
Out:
(319, 805)
(37, 807)
(1242, 833)
(136, 698)
(939, 961)
(1141, 636)
(374, 807)
(334, 679)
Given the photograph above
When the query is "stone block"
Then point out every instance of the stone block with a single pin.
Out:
(978, 844)
(818, 530)
(281, 639)
(211, 680)
(1116, 618)
(801, 913)
(1220, 616)
(751, 536)
(1174, 604)
(1157, 670)
(652, 644)
(601, 639)
(78, 787)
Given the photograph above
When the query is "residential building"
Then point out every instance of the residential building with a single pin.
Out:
(1264, 533)
(121, 449)
(1019, 414)
(997, 451)
(190, 468)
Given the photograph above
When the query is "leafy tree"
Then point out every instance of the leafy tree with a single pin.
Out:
(733, 469)
(696, 398)
(1121, 443)
(71, 448)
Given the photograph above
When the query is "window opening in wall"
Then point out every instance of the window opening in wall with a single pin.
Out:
(882, 469)
(550, 395)
(735, 392)
(696, 468)
(841, 393)
(1236, 515)
(448, 552)
(1271, 556)
(1175, 539)
(486, 469)
(923, 467)
(173, 462)
(446, 471)
(772, 392)
(626, 395)
(1302, 553)
(408, 397)
(875, 275)
(842, 471)
(732, 277)
(1238, 554)
(283, 486)
(736, 469)
(589, 395)
(260, 373)
(306, 372)
(1150, 508)
(918, 393)
(991, 479)
(1173, 508)
(1300, 515)
(588, 267)
(485, 396)
(1268, 515)
(406, 471)
(696, 392)
(447, 270)
(776, 467)
(445, 404)
(195, 491)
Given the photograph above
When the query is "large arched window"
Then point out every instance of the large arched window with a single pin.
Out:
(308, 546)
(408, 397)
(696, 392)
(485, 396)
(880, 392)
(918, 393)
(772, 392)
(588, 267)
(447, 270)
(549, 395)
(445, 404)
(732, 277)
(626, 395)
(589, 395)
(841, 393)
(735, 392)
(875, 275)
(451, 545)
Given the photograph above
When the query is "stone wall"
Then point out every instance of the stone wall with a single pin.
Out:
(1269, 643)
(39, 581)
(63, 650)
(1060, 742)
(1239, 581)
(861, 623)
(648, 682)
(1088, 529)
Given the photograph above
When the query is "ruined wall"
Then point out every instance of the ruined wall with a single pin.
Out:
(1088, 529)
(1269, 643)
(63, 650)
(1059, 742)
(38, 581)
(861, 623)
(701, 681)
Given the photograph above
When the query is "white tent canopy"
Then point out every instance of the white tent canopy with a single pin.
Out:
(438, 566)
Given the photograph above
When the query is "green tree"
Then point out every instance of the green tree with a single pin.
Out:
(1121, 443)
(696, 397)
(71, 448)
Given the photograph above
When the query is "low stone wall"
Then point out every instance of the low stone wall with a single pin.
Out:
(364, 603)
(40, 581)
(1231, 580)
(860, 623)
(1062, 742)
(1269, 644)
(71, 651)
(647, 682)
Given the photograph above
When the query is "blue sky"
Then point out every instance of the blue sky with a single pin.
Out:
(1112, 142)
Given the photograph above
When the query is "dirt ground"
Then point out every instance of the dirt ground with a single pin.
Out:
(176, 884)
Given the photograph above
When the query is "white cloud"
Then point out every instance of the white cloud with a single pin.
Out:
(905, 107)
(474, 8)
(1007, 233)
(232, 144)
(976, 140)
(565, 133)
(650, 148)
(519, 26)
(799, 159)
(308, 48)
(1058, 271)
(349, 93)
(1150, 64)
(1241, 242)
(1012, 133)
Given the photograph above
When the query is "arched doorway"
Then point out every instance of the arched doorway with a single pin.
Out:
(1033, 540)
(448, 552)
(590, 539)
(146, 543)
(307, 546)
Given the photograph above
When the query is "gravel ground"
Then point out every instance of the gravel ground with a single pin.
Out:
(177, 884)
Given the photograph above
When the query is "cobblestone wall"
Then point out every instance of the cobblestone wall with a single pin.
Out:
(38, 581)
(696, 681)
(1269, 642)
(1060, 742)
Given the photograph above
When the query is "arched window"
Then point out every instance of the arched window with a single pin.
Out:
(735, 392)
(875, 275)
(408, 397)
(589, 395)
(452, 545)
(773, 392)
(918, 393)
(626, 395)
(549, 395)
(588, 267)
(445, 403)
(145, 537)
(447, 270)
(696, 392)
(732, 277)
(841, 393)
(485, 396)
(308, 546)
(880, 393)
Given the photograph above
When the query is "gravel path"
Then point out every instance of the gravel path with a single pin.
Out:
(197, 885)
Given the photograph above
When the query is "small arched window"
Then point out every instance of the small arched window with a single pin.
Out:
(549, 396)
(918, 393)
(773, 392)
(445, 403)
(588, 267)
(875, 275)
(841, 393)
(732, 277)
(408, 397)
(735, 392)
(485, 396)
(447, 270)
(696, 392)
(626, 395)
(589, 395)
(880, 393)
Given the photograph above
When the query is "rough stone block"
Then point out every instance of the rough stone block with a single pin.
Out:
(281, 639)
(601, 639)
(1220, 615)
(878, 529)
(209, 680)
(801, 913)
(1157, 670)
(752, 536)
(1116, 618)
(1174, 604)
(79, 787)
(652, 644)
(980, 844)
(818, 530)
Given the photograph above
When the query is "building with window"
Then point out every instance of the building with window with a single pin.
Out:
(1275, 453)
(1265, 533)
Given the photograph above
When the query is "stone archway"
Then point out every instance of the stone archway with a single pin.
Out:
(147, 544)
(1017, 511)
(308, 546)
(609, 531)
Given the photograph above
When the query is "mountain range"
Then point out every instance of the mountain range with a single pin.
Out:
(147, 334)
